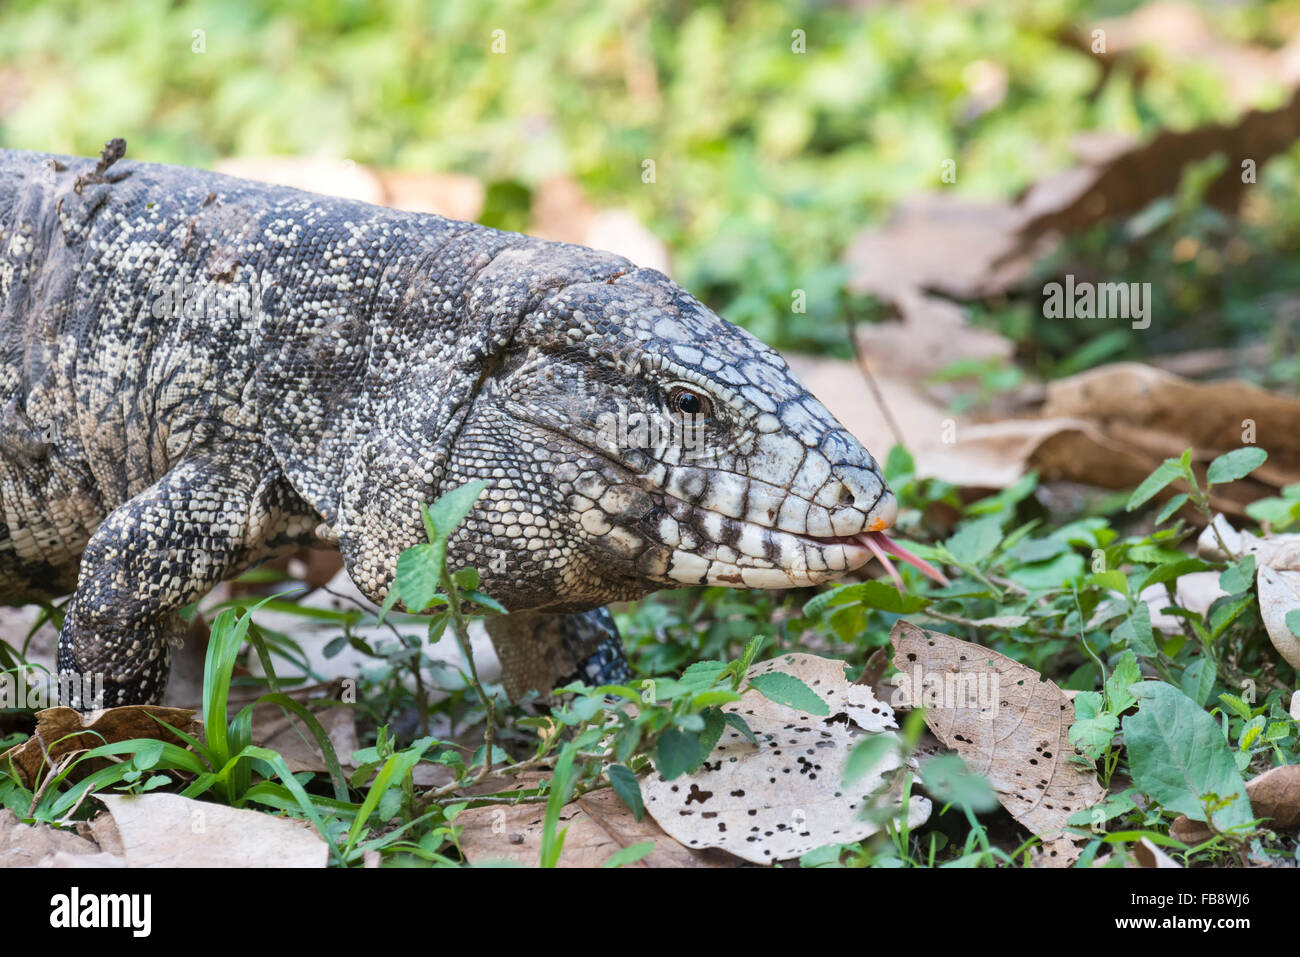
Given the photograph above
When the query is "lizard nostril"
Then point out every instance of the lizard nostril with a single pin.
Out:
(860, 487)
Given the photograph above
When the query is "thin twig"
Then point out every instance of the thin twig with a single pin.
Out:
(874, 386)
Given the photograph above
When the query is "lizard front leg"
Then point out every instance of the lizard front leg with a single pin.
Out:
(540, 651)
(208, 518)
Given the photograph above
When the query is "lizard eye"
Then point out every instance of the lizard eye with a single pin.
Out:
(689, 403)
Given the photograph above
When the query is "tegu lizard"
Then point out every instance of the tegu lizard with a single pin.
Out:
(199, 372)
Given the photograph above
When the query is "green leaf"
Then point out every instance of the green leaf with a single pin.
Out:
(815, 606)
(419, 572)
(1135, 631)
(1126, 674)
(676, 753)
(1293, 621)
(148, 754)
(1235, 465)
(751, 652)
(561, 788)
(1111, 580)
(1039, 549)
(1155, 555)
(714, 723)
(898, 464)
(866, 754)
(1277, 730)
(1198, 680)
(630, 854)
(741, 725)
(1050, 574)
(947, 778)
(1168, 471)
(708, 699)
(627, 787)
(1168, 572)
(882, 596)
(1251, 732)
(1092, 732)
(483, 601)
(701, 675)
(451, 509)
(1236, 706)
(975, 541)
(1171, 506)
(1238, 576)
(790, 691)
(1178, 756)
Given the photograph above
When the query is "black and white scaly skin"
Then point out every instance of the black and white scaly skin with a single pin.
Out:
(349, 362)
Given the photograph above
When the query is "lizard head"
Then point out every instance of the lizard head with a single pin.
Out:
(635, 440)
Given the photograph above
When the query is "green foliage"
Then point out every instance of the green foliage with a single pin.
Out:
(767, 160)
(1177, 754)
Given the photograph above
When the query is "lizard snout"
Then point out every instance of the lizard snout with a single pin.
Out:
(865, 502)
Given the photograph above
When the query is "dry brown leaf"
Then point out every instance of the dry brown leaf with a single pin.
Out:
(1015, 732)
(61, 732)
(453, 195)
(1205, 415)
(28, 845)
(562, 213)
(1188, 831)
(1279, 594)
(1149, 854)
(1181, 32)
(1109, 427)
(167, 830)
(103, 831)
(1129, 180)
(287, 734)
(970, 250)
(316, 174)
(599, 825)
(784, 797)
(1275, 794)
(941, 243)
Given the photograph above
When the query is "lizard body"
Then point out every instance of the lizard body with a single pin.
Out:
(199, 372)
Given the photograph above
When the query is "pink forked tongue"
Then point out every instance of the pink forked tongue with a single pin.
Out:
(882, 548)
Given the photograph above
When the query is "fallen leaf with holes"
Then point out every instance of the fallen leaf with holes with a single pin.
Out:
(1274, 795)
(167, 830)
(599, 826)
(1008, 723)
(62, 732)
(785, 796)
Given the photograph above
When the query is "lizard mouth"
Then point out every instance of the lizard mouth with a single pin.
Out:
(881, 547)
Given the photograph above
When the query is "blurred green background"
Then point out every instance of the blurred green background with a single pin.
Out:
(767, 160)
